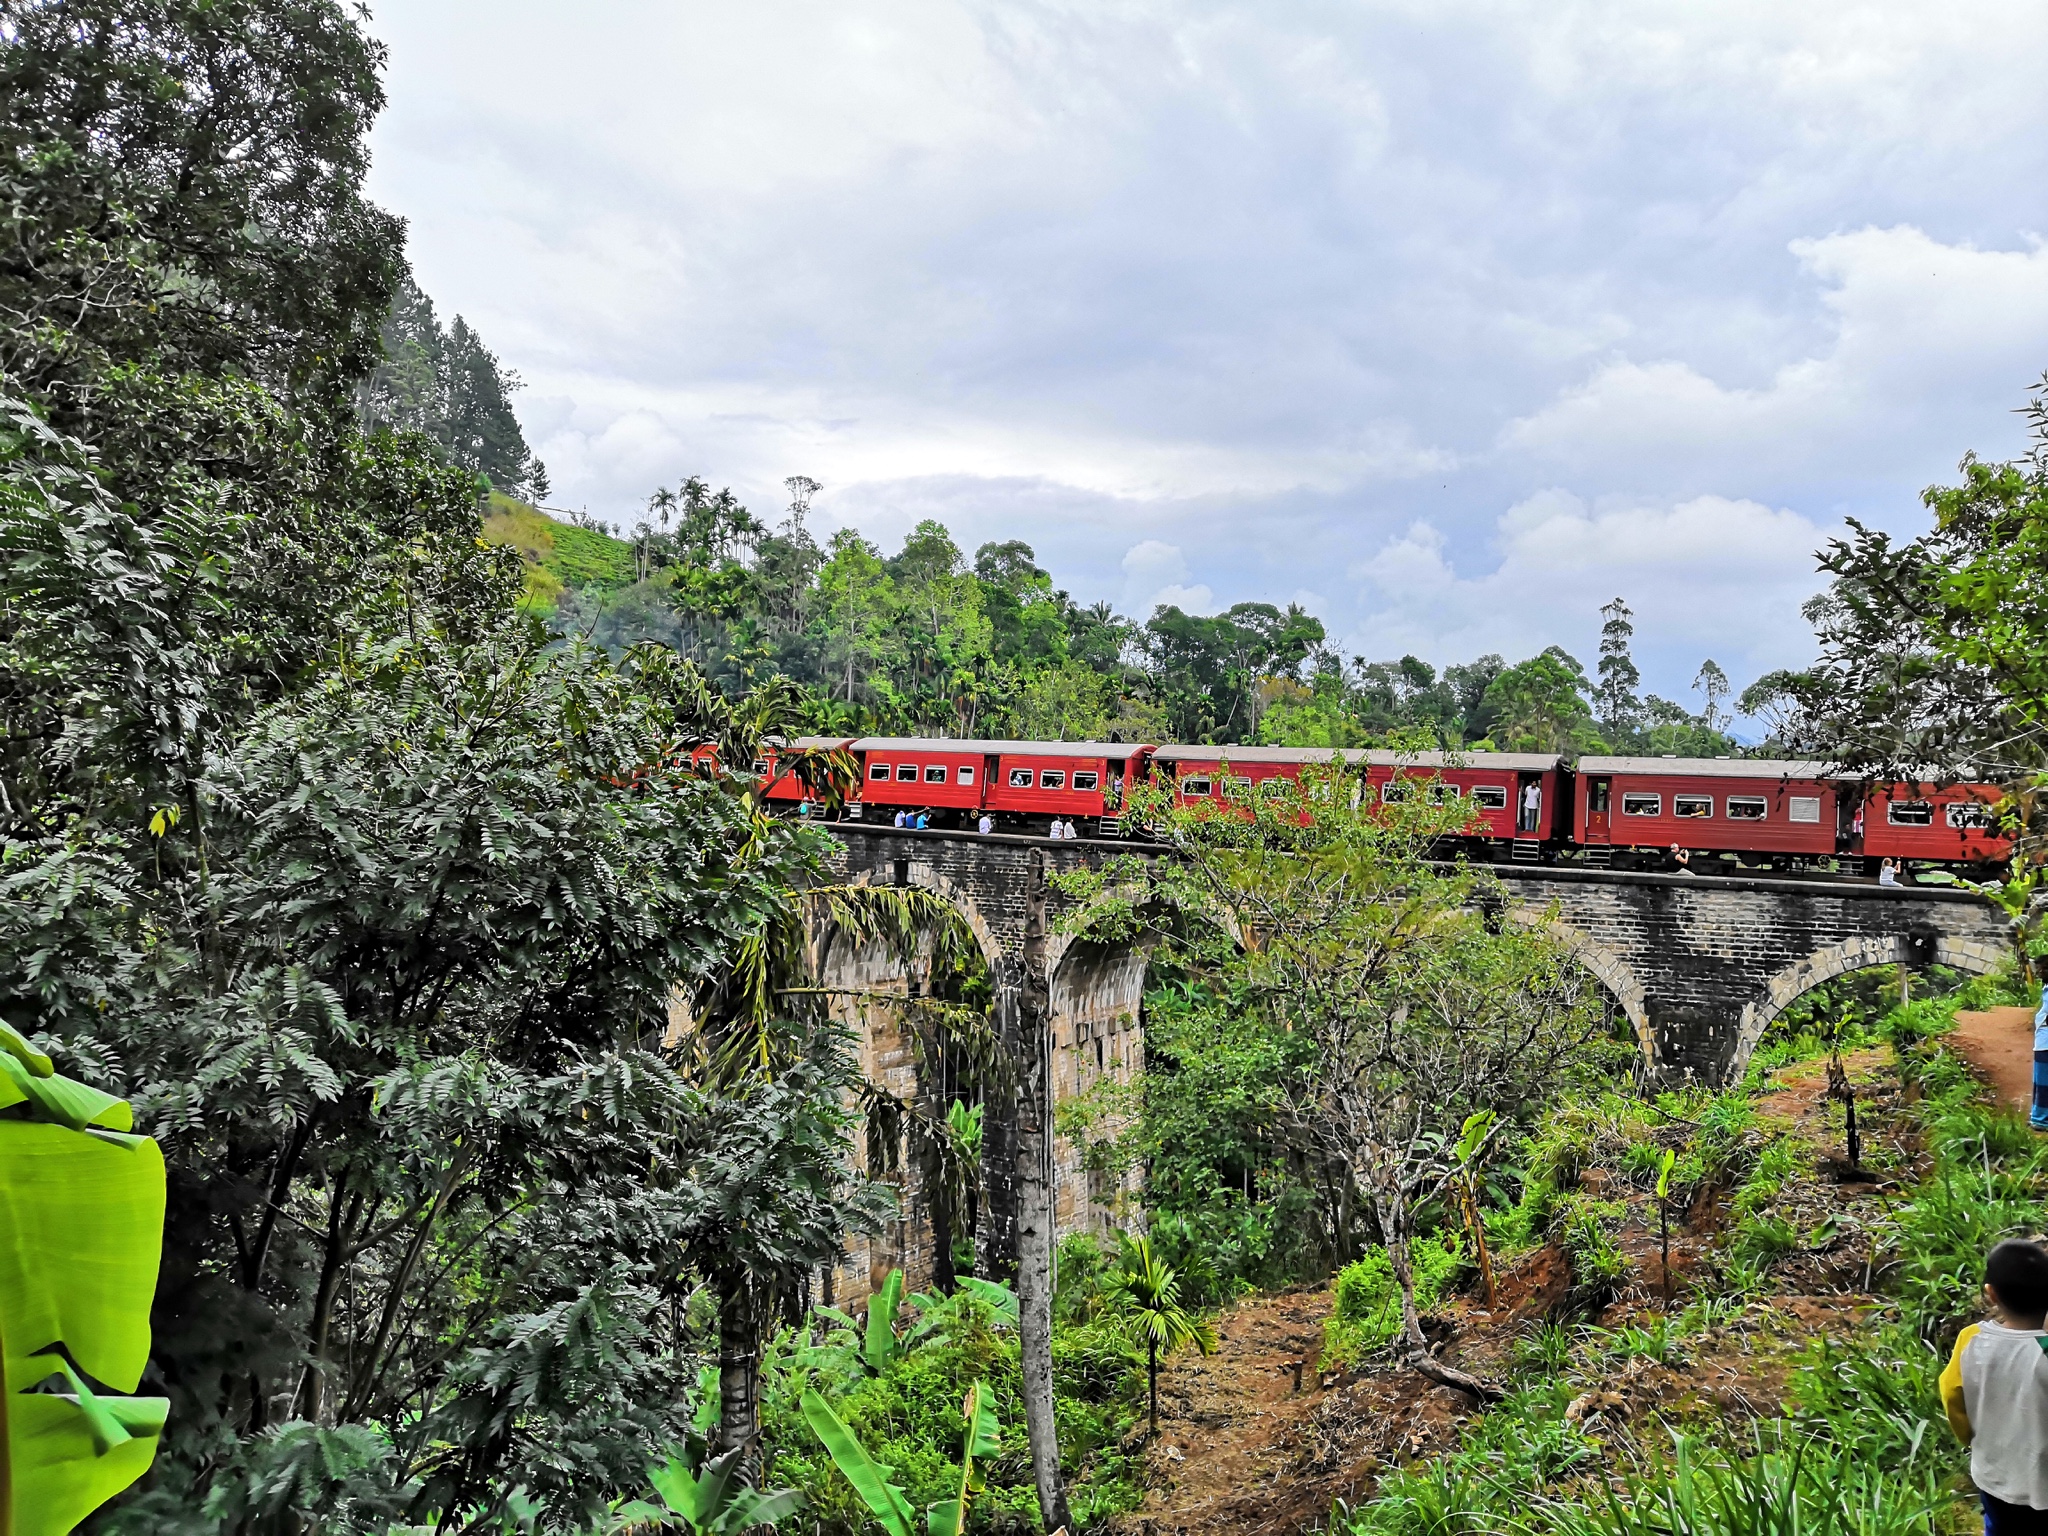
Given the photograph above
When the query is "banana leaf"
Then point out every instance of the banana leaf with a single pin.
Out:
(995, 1293)
(697, 1496)
(882, 1348)
(869, 1479)
(751, 1508)
(81, 1233)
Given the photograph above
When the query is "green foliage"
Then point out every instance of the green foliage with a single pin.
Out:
(1366, 1314)
(706, 1496)
(81, 1215)
(908, 1417)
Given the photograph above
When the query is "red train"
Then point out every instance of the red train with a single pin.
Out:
(1614, 812)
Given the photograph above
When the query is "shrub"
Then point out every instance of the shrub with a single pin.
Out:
(1367, 1314)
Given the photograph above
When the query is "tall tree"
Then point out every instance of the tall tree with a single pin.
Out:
(1619, 679)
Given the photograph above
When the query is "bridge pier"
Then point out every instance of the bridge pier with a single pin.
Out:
(1072, 1009)
(1702, 964)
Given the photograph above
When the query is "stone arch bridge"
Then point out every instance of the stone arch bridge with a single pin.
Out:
(1700, 964)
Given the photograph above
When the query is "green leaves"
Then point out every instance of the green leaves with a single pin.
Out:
(1664, 1166)
(81, 1231)
(880, 1347)
(981, 1442)
(706, 1494)
(869, 1480)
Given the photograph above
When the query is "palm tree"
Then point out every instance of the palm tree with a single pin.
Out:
(1149, 1291)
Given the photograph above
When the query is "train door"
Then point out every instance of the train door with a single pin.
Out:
(1598, 793)
(1529, 805)
(1850, 799)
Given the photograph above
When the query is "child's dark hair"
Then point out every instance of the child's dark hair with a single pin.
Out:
(2017, 1272)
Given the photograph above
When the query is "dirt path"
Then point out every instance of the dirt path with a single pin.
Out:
(1999, 1043)
(1225, 1421)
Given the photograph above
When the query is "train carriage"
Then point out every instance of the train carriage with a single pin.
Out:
(1928, 823)
(1776, 810)
(1514, 797)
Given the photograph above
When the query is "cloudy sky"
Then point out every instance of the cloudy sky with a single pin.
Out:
(1448, 320)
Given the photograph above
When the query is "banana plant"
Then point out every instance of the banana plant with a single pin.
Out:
(705, 1495)
(870, 1479)
(1472, 1139)
(1664, 1217)
(81, 1233)
(868, 1350)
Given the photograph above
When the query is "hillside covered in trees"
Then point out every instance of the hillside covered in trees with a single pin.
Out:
(930, 640)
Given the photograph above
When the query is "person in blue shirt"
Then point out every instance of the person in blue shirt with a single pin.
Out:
(2038, 1118)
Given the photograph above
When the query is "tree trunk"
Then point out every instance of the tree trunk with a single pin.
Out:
(1664, 1247)
(739, 1369)
(1152, 1378)
(1031, 1001)
(1396, 1228)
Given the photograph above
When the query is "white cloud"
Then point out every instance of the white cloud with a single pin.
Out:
(1290, 287)
(1156, 573)
(1706, 575)
(1918, 328)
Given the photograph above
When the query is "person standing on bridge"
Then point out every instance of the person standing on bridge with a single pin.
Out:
(987, 824)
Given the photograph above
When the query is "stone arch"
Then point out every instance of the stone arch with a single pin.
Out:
(1607, 966)
(1823, 965)
(924, 876)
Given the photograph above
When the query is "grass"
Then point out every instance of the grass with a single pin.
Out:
(556, 555)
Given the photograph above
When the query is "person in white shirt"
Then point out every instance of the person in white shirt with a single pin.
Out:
(1055, 830)
(987, 824)
(1887, 873)
(1995, 1390)
(1071, 833)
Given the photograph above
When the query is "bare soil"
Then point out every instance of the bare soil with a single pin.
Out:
(1999, 1043)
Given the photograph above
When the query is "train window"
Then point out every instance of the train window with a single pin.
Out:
(935, 773)
(1804, 808)
(878, 770)
(1443, 794)
(1087, 780)
(1052, 778)
(1276, 787)
(1909, 813)
(1746, 807)
(1020, 778)
(1238, 789)
(1395, 791)
(760, 767)
(906, 773)
(963, 775)
(1490, 797)
(1642, 805)
(1194, 786)
(1694, 805)
(1968, 815)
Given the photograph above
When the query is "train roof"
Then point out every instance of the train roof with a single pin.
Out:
(1709, 767)
(1105, 749)
(1376, 757)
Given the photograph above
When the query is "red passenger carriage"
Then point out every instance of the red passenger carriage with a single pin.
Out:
(1638, 807)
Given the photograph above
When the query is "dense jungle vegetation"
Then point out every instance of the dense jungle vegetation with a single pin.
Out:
(928, 641)
(351, 833)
